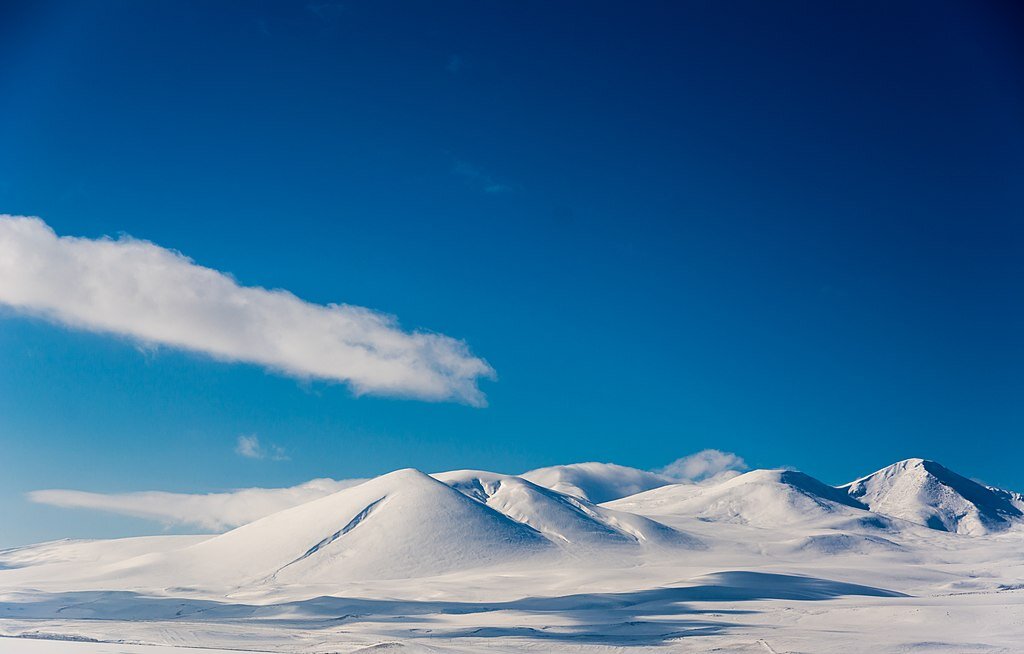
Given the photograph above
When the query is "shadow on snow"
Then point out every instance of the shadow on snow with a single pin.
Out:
(637, 617)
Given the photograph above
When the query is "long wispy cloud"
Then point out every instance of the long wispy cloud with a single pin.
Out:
(158, 296)
(209, 511)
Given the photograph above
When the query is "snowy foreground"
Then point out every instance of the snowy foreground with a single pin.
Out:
(913, 558)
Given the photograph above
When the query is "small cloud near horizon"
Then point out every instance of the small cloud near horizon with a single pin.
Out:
(704, 466)
(249, 446)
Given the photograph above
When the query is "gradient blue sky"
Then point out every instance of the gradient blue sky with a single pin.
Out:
(788, 230)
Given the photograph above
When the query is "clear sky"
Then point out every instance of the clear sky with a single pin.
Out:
(787, 230)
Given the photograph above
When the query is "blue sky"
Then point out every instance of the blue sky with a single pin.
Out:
(789, 231)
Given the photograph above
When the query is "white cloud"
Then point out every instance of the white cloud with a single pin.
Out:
(210, 511)
(160, 297)
(704, 465)
(249, 446)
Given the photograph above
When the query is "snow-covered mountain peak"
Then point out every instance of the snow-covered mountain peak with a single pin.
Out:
(928, 493)
(402, 524)
(761, 498)
(797, 481)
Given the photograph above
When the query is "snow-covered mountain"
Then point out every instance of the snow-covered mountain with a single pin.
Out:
(597, 482)
(760, 498)
(464, 560)
(399, 525)
(407, 524)
(565, 519)
(916, 490)
(927, 493)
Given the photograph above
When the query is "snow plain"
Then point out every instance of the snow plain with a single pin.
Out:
(913, 558)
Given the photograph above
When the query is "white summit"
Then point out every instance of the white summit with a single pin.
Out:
(929, 494)
(403, 524)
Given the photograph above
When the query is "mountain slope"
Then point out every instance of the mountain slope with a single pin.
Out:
(567, 520)
(597, 482)
(761, 498)
(927, 493)
(402, 524)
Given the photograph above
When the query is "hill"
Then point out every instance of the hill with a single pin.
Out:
(597, 482)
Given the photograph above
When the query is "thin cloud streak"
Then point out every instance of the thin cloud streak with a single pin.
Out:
(210, 511)
(158, 296)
